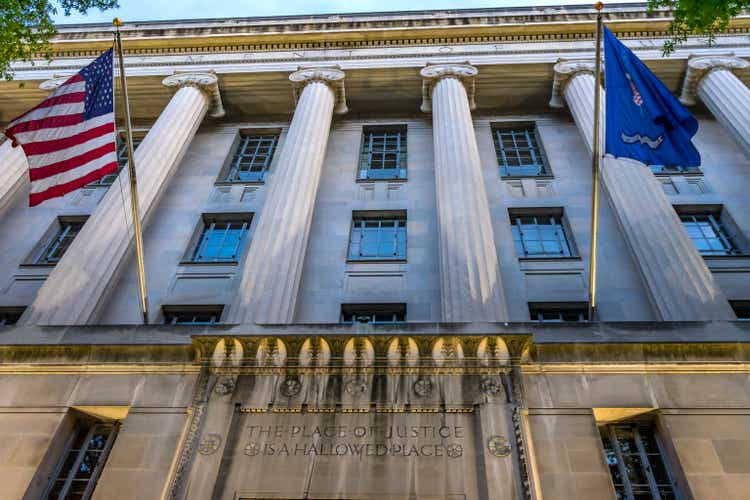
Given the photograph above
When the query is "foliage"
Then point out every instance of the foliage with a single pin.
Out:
(26, 27)
(698, 17)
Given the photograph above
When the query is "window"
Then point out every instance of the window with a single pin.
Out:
(383, 153)
(541, 233)
(378, 236)
(192, 315)
(251, 157)
(673, 169)
(122, 159)
(518, 151)
(711, 230)
(558, 312)
(741, 309)
(221, 239)
(376, 314)
(77, 473)
(636, 463)
(10, 315)
(57, 241)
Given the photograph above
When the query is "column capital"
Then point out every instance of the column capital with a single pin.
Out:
(206, 81)
(564, 72)
(700, 66)
(54, 82)
(433, 73)
(331, 76)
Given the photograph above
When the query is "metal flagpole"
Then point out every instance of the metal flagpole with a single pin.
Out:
(595, 163)
(133, 184)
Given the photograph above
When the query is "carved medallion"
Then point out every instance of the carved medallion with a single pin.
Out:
(209, 444)
(454, 450)
(252, 449)
(491, 385)
(423, 387)
(290, 387)
(355, 387)
(498, 446)
(224, 386)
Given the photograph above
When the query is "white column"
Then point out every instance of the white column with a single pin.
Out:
(680, 285)
(712, 79)
(470, 283)
(89, 269)
(272, 270)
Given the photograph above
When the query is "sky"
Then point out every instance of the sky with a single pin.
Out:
(152, 10)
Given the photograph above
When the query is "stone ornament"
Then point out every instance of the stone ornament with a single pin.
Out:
(454, 450)
(252, 449)
(207, 82)
(224, 386)
(498, 446)
(423, 387)
(331, 76)
(564, 72)
(433, 73)
(700, 67)
(290, 387)
(209, 444)
(492, 386)
(355, 387)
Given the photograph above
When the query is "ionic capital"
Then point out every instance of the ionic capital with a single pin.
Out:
(701, 66)
(564, 73)
(333, 77)
(54, 82)
(433, 73)
(207, 82)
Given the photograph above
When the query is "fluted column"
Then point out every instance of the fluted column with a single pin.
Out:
(90, 266)
(680, 285)
(712, 79)
(271, 273)
(471, 288)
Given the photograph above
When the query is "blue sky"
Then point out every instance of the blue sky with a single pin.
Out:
(142, 10)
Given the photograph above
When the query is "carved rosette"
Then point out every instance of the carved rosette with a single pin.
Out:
(700, 67)
(564, 73)
(333, 77)
(207, 82)
(433, 73)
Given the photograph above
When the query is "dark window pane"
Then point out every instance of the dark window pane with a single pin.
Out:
(252, 158)
(60, 241)
(518, 153)
(375, 238)
(383, 154)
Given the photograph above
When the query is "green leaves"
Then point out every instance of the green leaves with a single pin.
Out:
(26, 27)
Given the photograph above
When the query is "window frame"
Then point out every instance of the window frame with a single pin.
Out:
(373, 309)
(664, 170)
(505, 173)
(553, 307)
(722, 224)
(14, 312)
(57, 230)
(396, 216)
(209, 219)
(216, 310)
(366, 152)
(231, 167)
(740, 305)
(561, 224)
(121, 150)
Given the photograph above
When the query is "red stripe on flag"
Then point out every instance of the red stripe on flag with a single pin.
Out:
(43, 147)
(62, 99)
(62, 189)
(47, 122)
(63, 166)
(73, 79)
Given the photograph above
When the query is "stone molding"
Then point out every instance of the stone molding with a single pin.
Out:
(700, 67)
(207, 82)
(331, 76)
(565, 70)
(433, 73)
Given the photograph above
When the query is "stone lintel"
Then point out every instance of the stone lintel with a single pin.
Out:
(564, 71)
(329, 75)
(433, 73)
(701, 66)
(207, 81)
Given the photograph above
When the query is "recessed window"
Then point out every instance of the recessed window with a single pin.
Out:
(378, 236)
(637, 462)
(559, 312)
(192, 315)
(377, 314)
(383, 154)
(56, 241)
(221, 238)
(122, 158)
(518, 151)
(10, 315)
(741, 309)
(712, 230)
(673, 169)
(82, 463)
(541, 233)
(251, 158)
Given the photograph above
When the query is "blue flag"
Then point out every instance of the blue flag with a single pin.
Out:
(645, 121)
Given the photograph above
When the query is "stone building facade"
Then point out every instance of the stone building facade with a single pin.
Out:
(367, 244)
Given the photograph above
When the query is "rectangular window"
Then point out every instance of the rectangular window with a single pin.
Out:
(192, 315)
(637, 463)
(221, 239)
(57, 241)
(741, 309)
(377, 314)
(673, 169)
(81, 465)
(10, 315)
(251, 157)
(541, 233)
(558, 312)
(711, 230)
(518, 151)
(383, 153)
(378, 236)
(122, 158)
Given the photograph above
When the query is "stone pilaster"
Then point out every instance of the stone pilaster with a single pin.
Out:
(78, 284)
(469, 271)
(272, 270)
(713, 80)
(680, 285)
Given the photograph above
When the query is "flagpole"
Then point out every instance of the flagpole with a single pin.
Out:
(595, 163)
(133, 183)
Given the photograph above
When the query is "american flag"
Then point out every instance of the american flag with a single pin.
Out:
(69, 138)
